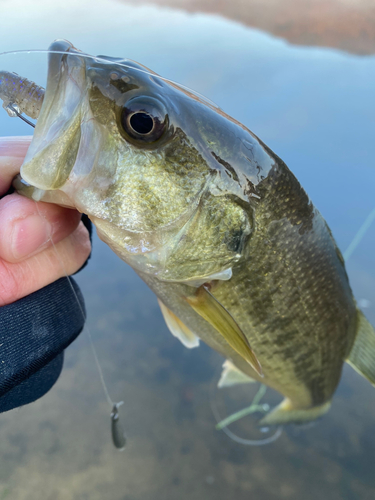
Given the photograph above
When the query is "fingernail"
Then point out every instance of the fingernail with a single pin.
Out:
(29, 236)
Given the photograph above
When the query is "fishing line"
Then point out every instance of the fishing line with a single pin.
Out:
(118, 435)
(14, 110)
(101, 59)
(360, 234)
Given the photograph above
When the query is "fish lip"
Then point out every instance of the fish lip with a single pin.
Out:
(58, 116)
(66, 65)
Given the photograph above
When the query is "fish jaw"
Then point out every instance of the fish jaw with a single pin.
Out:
(67, 141)
(57, 136)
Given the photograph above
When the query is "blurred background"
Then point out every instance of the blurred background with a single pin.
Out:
(301, 75)
(344, 24)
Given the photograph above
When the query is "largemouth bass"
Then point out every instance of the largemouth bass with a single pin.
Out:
(209, 217)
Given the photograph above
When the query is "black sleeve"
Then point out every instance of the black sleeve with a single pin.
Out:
(34, 331)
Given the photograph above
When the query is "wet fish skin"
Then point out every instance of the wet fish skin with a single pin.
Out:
(291, 297)
(206, 198)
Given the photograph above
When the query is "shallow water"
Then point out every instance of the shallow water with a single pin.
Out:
(315, 108)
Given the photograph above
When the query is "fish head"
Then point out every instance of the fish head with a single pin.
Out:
(167, 178)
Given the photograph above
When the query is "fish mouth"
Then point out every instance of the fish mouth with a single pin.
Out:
(54, 148)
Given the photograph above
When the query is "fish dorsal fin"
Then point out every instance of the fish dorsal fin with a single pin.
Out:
(207, 306)
(362, 355)
(178, 328)
(231, 375)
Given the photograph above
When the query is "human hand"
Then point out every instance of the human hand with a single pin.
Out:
(28, 261)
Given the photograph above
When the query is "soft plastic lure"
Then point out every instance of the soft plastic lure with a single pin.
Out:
(20, 95)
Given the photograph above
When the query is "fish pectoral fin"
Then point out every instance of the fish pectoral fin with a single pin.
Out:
(209, 308)
(231, 375)
(285, 413)
(362, 355)
(177, 328)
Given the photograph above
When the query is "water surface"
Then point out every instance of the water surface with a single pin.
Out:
(315, 108)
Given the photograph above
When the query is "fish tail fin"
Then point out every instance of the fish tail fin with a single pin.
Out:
(285, 413)
(362, 355)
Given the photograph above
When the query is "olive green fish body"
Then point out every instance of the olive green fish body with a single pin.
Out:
(209, 217)
(293, 294)
(290, 296)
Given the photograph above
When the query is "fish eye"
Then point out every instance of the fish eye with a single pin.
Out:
(144, 119)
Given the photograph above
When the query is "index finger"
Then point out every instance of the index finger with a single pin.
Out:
(12, 154)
